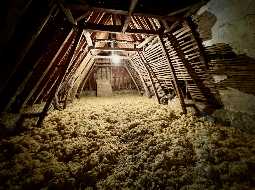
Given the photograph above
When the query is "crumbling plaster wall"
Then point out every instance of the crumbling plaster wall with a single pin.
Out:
(232, 22)
(235, 24)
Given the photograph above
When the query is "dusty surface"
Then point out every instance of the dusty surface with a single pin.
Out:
(127, 142)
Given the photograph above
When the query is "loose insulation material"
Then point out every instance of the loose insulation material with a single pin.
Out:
(127, 142)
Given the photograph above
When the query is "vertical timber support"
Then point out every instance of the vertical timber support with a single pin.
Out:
(150, 76)
(171, 67)
(60, 78)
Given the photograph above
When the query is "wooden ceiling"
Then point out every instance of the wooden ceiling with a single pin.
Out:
(132, 21)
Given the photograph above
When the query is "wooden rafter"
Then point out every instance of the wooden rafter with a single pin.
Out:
(199, 83)
(117, 29)
(109, 57)
(117, 41)
(47, 69)
(132, 79)
(146, 41)
(60, 78)
(145, 63)
(171, 68)
(115, 49)
(146, 88)
(189, 22)
(91, 65)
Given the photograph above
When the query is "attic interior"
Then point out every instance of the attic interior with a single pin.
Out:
(127, 94)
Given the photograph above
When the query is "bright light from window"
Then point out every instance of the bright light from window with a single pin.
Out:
(115, 59)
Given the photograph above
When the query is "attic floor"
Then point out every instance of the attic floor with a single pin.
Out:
(126, 142)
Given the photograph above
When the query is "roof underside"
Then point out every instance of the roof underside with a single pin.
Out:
(126, 23)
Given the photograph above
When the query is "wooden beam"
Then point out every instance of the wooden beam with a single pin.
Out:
(86, 76)
(88, 38)
(116, 41)
(171, 68)
(203, 58)
(146, 41)
(204, 90)
(128, 18)
(109, 57)
(132, 79)
(107, 65)
(60, 78)
(145, 63)
(146, 89)
(115, 49)
(117, 29)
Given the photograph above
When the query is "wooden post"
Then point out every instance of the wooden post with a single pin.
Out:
(62, 73)
(171, 67)
(147, 69)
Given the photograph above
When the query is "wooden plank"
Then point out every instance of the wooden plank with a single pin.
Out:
(86, 77)
(189, 22)
(174, 77)
(60, 78)
(115, 49)
(47, 70)
(88, 38)
(117, 41)
(117, 29)
(204, 90)
(146, 88)
(109, 57)
(131, 76)
(145, 63)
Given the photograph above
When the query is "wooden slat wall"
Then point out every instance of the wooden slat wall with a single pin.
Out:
(144, 75)
(159, 65)
(135, 76)
(189, 66)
